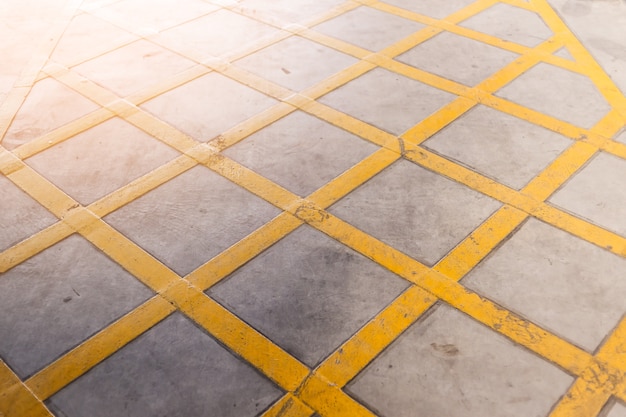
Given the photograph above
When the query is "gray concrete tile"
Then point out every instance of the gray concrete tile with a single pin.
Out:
(381, 98)
(510, 23)
(191, 218)
(209, 105)
(618, 410)
(174, 369)
(415, 210)
(505, 148)
(152, 16)
(449, 365)
(215, 34)
(100, 160)
(457, 58)
(431, 8)
(621, 137)
(369, 28)
(133, 67)
(290, 11)
(88, 36)
(296, 63)
(564, 53)
(308, 293)
(57, 299)
(597, 193)
(558, 281)
(301, 152)
(559, 93)
(62, 105)
(20, 215)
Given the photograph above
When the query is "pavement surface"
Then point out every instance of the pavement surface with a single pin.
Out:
(318, 208)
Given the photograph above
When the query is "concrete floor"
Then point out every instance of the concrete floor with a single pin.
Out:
(313, 208)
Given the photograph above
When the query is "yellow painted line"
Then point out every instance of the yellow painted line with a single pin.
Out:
(581, 400)
(243, 251)
(330, 401)
(131, 257)
(9, 162)
(337, 44)
(33, 245)
(329, 14)
(16, 400)
(522, 4)
(356, 353)
(141, 186)
(162, 131)
(256, 46)
(97, 348)
(238, 336)
(334, 81)
(168, 84)
(255, 81)
(288, 406)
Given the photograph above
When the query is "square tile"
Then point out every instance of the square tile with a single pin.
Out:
(433, 8)
(20, 215)
(215, 34)
(415, 210)
(597, 193)
(510, 23)
(449, 365)
(308, 293)
(505, 148)
(209, 105)
(381, 98)
(174, 369)
(143, 63)
(556, 280)
(152, 16)
(289, 11)
(301, 152)
(369, 28)
(100, 160)
(57, 299)
(458, 58)
(49, 105)
(86, 37)
(296, 63)
(191, 218)
(618, 410)
(558, 93)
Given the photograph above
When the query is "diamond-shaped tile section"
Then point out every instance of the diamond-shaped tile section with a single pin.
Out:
(438, 9)
(214, 34)
(369, 28)
(382, 98)
(457, 58)
(558, 281)
(100, 160)
(143, 64)
(510, 23)
(288, 11)
(191, 218)
(621, 137)
(173, 369)
(86, 37)
(505, 148)
(457, 367)
(152, 16)
(597, 193)
(564, 53)
(57, 299)
(20, 215)
(296, 63)
(208, 106)
(416, 211)
(301, 152)
(49, 105)
(308, 293)
(559, 93)
(618, 410)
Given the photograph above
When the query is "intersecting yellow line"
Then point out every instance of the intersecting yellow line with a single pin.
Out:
(320, 390)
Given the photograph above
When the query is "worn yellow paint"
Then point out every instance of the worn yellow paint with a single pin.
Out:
(319, 391)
